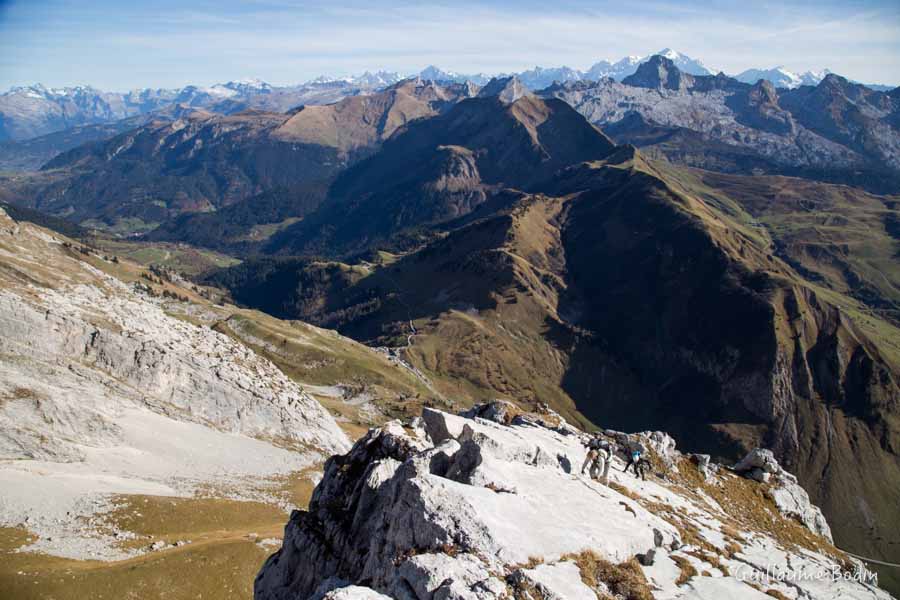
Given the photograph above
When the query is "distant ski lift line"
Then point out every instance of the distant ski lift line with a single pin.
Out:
(871, 560)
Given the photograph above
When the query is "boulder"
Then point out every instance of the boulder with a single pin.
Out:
(792, 500)
(758, 474)
(351, 592)
(758, 458)
(663, 444)
(702, 461)
(498, 411)
(647, 558)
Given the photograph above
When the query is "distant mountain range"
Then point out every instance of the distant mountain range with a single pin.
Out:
(836, 131)
(208, 178)
(538, 77)
(30, 112)
(781, 77)
(34, 111)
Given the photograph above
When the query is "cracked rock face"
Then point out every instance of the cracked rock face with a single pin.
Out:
(460, 507)
(102, 392)
(91, 332)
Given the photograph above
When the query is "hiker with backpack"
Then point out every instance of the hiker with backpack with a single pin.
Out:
(635, 458)
(598, 459)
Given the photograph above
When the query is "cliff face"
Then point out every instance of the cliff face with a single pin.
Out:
(123, 341)
(491, 505)
(102, 392)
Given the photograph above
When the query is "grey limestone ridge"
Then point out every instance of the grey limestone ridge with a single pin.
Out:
(836, 124)
(490, 504)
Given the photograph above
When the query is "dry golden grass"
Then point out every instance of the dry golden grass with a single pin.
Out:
(745, 507)
(626, 580)
(221, 568)
(624, 491)
(13, 538)
(220, 562)
(687, 569)
(710, 558)
(776, 594)
(731, 549)
(730, 532)
(173, 519)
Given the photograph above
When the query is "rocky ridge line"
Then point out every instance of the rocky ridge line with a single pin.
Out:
(490, 505)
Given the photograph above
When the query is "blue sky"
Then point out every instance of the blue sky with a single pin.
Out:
(124, 44)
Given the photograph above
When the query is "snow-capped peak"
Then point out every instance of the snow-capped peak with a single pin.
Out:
(813, 77)
(41, 91)
(326, 79)
(685, 63)
(629, 64)
(249, 83)
(669, 53)
(782, 77)
(434, 73)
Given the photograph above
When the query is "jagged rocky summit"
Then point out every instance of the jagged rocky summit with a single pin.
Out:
(491, 504)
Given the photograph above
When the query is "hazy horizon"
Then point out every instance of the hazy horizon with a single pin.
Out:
(168, 44)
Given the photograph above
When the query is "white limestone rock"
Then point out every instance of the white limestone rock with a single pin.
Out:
(354, 592)
(490, 510)
(758, 458)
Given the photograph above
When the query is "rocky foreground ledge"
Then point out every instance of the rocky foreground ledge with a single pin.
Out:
(491, 504)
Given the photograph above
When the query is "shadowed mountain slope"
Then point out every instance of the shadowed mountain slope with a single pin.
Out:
(442, 168)
(203, 162)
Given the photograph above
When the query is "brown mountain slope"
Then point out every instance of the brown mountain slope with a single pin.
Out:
(836, 236)
(363, 121)
(441, 168)
(731, 342)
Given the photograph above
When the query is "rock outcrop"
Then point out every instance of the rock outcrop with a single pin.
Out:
(789, 496)
(490, 505)
(660, 73)
(505, 89)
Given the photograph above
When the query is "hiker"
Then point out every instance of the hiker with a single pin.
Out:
(598, 458)
(642, 466)
(635, 458)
